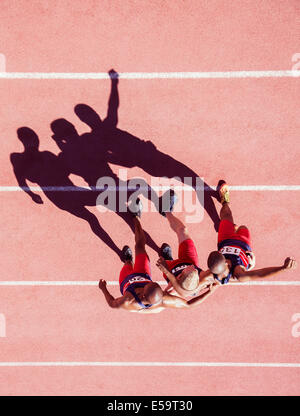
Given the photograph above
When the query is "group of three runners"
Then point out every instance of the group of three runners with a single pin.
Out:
(188, 285)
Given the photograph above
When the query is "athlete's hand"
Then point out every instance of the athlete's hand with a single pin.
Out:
(209, 280)
(214, 286)
(290, 263)
(161, 264)
(102, 284)
(37, 199)
(169, 290)
(251, 258)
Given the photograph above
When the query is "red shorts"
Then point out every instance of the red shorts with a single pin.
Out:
(141, 265)
(227, 232)
(187, 253)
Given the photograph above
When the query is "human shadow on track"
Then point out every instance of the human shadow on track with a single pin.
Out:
(88, 156)
(121, 148)
(49, 171)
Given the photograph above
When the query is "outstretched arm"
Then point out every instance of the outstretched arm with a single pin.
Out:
(113, 103)
(176, 302)
(161, 264)
(201, 298)
(245, 276)
(115, 303)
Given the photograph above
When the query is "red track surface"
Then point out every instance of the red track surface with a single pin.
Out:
(245, 130)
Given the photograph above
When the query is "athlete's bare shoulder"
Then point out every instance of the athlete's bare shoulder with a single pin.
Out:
(239, 270)
(129, 303)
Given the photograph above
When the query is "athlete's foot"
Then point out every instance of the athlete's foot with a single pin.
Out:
(166, 252)
(167, 202)
(223, 190)
(126, 255)
(136, 208)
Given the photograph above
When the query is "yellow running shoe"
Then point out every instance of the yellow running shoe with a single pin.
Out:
(224, 193)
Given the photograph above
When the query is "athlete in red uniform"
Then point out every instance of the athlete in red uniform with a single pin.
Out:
(234, 260)
(139, 292)
(183, 274)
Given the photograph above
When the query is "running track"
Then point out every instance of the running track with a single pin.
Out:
(63, 339)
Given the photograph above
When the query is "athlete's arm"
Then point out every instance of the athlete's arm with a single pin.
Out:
(115, 303)
(169, 288)
(206, 278)
(161, 264)
(201, 298)
(170, 301)
(175, 302)
(246, 275)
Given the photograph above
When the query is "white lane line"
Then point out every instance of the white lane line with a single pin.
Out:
(116, 283)
(141, 364)
(264, 188)
(59, 283)
(152, 75)
(155, 188)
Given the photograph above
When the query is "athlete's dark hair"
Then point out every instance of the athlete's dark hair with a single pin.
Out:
(153, 293)
(215, 259)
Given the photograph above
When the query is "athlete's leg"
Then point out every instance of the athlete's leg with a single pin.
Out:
(241, 227)
(178, 226)
(127, 217)
(244, 233)
(227, 228)
(126, 270)
(140, 238)
(142, 262)
(225, 213)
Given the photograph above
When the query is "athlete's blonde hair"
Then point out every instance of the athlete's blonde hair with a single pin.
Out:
(189, 278)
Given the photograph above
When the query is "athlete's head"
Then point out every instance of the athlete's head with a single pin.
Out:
(28, 137)
(216, 263)
(88, 115)
(189, 278)
(153, 293)
(63, 130)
